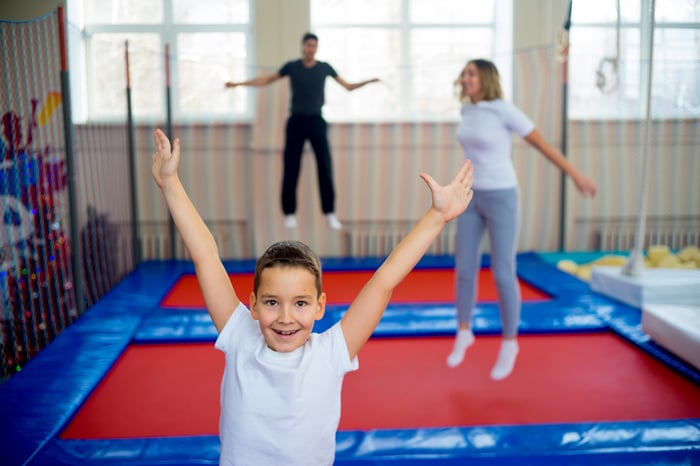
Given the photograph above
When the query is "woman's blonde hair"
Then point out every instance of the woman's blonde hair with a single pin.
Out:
(488, 77)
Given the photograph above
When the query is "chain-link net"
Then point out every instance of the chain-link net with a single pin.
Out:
(105, 213)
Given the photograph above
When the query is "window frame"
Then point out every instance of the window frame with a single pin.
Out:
(83, 85)
(644, 29)
(501, 27)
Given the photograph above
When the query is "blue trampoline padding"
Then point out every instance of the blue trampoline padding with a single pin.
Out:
(626, 321)
(580, 257)
(638, 443)
(571, 308)
(176, 325)
(182, 325)
(38, 402)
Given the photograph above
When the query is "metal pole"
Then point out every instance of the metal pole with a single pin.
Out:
(135, 245)
(169, 129)
(564, 125)
(564, 143)
(76, 250)
(635, 263)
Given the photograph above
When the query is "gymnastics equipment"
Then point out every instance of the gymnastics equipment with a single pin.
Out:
(634, 266)
(632, 283)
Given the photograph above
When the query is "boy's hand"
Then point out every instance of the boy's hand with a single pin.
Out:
(165, 162)
(451, 200)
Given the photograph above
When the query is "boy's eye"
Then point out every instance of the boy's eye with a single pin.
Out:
(270, 302)
(301, 303)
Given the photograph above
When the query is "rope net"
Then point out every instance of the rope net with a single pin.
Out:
(38, 295)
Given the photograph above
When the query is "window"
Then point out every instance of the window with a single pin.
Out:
(416, 47)
(208, 43)
(610, 53)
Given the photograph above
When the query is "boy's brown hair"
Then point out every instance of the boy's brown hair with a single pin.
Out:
(288, 253)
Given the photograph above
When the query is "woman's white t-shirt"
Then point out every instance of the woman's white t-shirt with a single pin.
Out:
(485, 134)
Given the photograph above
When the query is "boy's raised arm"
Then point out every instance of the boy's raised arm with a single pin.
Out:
(218, 292)
(366, 310)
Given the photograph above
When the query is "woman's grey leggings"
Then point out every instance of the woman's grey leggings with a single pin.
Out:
(499, 212)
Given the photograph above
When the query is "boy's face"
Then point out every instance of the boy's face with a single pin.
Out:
(286, 306)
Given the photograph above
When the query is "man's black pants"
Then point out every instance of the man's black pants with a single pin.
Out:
(299, 129)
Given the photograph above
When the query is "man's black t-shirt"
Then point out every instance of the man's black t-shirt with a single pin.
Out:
(307, 85)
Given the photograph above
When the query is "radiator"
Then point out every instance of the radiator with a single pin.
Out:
(379, 239)
(155, 245)
(621, 236)
(231, 238)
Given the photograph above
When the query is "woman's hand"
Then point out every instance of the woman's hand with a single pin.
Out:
(585, 185)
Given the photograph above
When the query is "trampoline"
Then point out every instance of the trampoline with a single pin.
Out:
(136, 379)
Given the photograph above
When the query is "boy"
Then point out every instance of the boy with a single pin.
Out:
(280, 393)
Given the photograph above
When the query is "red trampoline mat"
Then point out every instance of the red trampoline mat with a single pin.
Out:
(173, 389)
(420, 286)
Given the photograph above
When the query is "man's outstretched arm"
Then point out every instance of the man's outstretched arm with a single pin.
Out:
(353, 86)
(257, 82)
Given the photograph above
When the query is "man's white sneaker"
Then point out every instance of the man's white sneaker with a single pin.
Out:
(290, 221)
(333, 222)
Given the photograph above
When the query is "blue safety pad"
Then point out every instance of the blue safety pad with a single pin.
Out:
(616, 443)
(569, 310)
(626, 321)
(37, 403)
(621, 318)
(373, 263)
(195, 325)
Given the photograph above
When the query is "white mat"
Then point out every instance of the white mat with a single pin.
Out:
(655, 286)
(676, 328)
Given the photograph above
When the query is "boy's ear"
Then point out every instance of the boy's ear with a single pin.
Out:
(321, 307)
(253, 309)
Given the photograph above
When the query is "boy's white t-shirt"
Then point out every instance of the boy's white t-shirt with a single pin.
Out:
(485, 134)
(279, 408)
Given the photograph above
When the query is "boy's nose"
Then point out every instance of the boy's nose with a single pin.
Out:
(286, 313)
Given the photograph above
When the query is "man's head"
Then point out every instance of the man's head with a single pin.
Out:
(309, 36)
(287, 297)
(309, 45)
